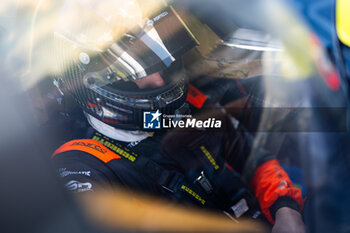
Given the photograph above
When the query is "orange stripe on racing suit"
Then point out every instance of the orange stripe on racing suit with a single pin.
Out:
(89, 146)
(269, 183)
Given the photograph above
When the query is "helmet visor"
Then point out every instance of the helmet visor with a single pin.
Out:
(154, 47)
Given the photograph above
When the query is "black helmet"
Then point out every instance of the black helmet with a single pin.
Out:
(102, 46)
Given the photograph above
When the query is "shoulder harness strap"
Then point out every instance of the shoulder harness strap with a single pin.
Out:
(89, 146)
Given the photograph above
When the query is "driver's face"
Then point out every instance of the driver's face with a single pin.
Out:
(150, 81)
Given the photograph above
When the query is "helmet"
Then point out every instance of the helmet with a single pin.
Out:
(102, 47)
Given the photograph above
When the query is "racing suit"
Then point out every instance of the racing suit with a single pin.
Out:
(197, 167)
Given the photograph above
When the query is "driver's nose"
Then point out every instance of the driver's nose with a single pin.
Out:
(150, 81)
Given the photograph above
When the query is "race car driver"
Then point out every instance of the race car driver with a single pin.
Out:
(117, 81)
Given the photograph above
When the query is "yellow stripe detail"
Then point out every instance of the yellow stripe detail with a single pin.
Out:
(183, 23)
(210, 157)
(193, 194)
(115, 148)
(121, 74)
(343, 21)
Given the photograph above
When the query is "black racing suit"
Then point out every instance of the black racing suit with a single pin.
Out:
(201, 168)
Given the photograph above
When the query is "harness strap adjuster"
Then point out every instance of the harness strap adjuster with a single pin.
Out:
(204, 183)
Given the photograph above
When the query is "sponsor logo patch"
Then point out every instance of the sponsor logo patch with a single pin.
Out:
(77, 186)
(90, 145)
(64, 172)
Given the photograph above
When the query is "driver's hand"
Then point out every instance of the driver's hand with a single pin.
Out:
(288, 221)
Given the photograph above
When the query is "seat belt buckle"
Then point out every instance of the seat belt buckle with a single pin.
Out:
(240, 208)
(204, 183)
